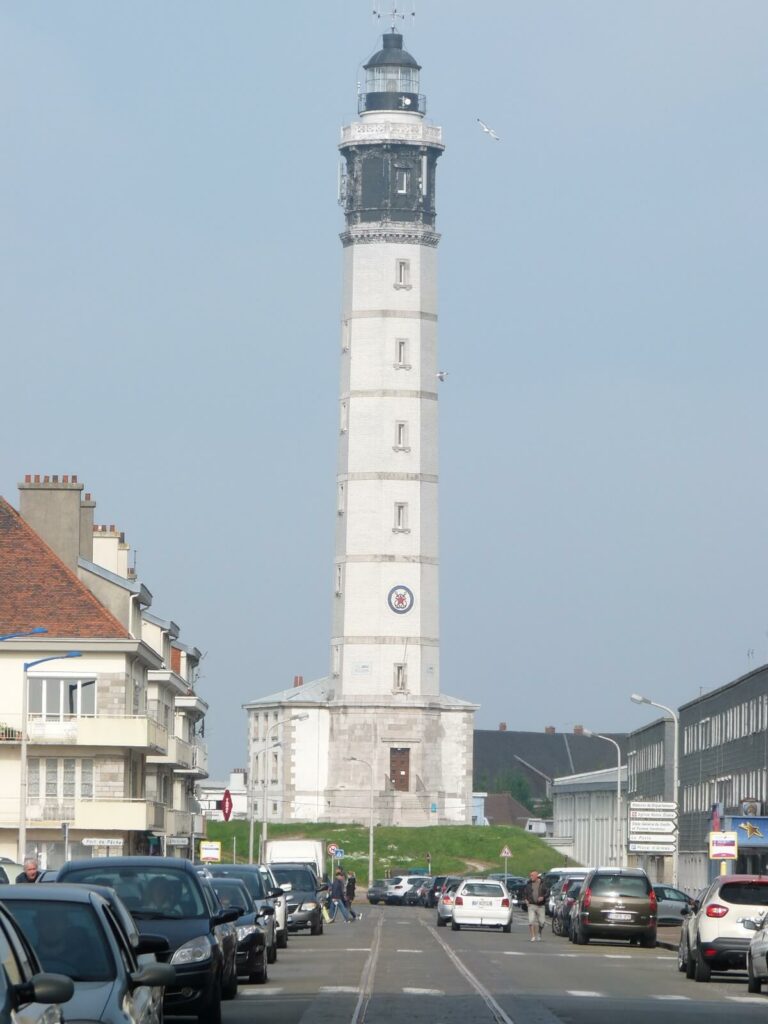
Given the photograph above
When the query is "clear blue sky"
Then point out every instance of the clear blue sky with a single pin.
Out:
(169, 299)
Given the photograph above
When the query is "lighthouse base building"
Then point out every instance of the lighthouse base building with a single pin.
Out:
(376, 737)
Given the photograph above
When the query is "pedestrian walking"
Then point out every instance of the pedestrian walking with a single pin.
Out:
(535, 895)
(350, 893)
(339, 897)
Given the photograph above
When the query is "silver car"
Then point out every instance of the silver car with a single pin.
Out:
(445, 902)
(671, 904)
(74, 932)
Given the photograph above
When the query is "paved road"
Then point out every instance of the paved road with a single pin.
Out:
(395, 965)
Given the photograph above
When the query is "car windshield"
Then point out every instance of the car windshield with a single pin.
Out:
(252, 880)
(744, 893)
(301, 879)
(483, 889)
(148, 893)
(232, 893)
(67, 937)
(620, 885)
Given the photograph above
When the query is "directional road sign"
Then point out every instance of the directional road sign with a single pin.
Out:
(652, 815)
(649, 837)
(652, 826)
(652, 805)
(652, 847)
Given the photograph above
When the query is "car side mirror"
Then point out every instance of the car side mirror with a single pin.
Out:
(749, 923)
(286, 886)
(266, 911)
(152, 944)
(45, 988)
(685, 911)
(275, 894)
(228, 915)
(324, 887)
(154, 975)
(695, 906)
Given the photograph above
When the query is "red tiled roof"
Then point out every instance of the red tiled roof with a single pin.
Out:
(37, 588)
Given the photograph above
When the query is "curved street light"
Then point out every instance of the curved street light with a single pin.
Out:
(619, 844)
(638, 698)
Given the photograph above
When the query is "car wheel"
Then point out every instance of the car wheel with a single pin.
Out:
(690, 966)
(682, 963)
(272, 953)
(557, 926)
(261, 973)
(441, 922)
(582, 939)
(648, 942)
(455, 927)
(316, 928)
(507, 927)
(701, 969)
(282, 939)
(754, 984)
(229, 988)
(211, 1013)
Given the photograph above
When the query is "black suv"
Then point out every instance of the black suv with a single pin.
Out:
(167, 897)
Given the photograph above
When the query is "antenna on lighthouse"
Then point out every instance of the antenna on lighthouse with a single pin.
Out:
(394, 14)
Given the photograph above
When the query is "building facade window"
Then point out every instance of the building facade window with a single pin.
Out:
(61, 699)
(400, 681)
(402, 273)
(401, 354)
(343, 418)
(339, 580)
(340, 499)
(401, 437)
(402, 180)
(59, 778)
(401, 518)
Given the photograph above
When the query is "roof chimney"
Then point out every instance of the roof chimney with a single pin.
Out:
(578, 730)
(87, 505)
(298, 681)
(550, 730)
(52, 508)
(502, 726)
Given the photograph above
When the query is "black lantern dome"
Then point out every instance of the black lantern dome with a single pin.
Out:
(392, 79)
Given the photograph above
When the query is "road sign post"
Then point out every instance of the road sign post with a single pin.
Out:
(506, 853)
(652, 827)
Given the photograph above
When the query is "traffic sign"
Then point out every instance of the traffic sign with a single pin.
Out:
(653, 815)
(332, 848)
(652, 805)
(652, 847)
(226, 805)
(210, 850)
(506, 852)
(177, 841)
(99, 841)
(649, 837)
(652, 826)
(338, 853)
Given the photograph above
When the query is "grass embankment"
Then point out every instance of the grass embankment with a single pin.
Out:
(455, 849)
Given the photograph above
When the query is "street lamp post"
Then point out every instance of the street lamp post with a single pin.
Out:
(25, 632)
(23, 749)
(275, 725)
(370, 821)
(619, 844)
(637, 698)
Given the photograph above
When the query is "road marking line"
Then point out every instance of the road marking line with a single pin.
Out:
(339, 988)
(513, 953)
(409, 951)
(356, 949)
(423, 992)
(670, 998)
(498, 1013)
(589, 995)
(259, 992)
(617, 956)
(367, 977)
(746, 999)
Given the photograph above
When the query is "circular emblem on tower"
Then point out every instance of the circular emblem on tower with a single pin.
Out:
(400, 599)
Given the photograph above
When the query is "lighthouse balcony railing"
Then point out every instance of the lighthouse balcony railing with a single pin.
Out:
(386, 131)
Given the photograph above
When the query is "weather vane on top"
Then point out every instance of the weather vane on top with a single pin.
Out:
(394, 14)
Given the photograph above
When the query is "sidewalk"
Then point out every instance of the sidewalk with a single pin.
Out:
(668, 936)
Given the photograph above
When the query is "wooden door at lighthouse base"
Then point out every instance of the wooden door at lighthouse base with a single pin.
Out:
(400, 768)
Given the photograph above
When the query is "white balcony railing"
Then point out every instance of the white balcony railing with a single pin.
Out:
(119, 814)
(382, 131)
(135, 731)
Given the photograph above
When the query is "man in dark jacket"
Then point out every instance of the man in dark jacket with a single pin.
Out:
(535, 895)
(31, 872)
(339, 897)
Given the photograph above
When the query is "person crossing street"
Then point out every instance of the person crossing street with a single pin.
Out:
(535, 895)
(339, 897)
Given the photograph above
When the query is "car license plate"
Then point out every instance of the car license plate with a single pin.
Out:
(615, 916)
(482, 903)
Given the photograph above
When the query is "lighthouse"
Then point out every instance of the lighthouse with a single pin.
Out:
(376, 737)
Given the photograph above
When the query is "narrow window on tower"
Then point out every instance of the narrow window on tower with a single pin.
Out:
(343, 418)
(424, 176)
(402, 273)
(400, 678)
(346, 331)
(401, 517)
(401, 437)
(336, 659)
(402, 181)
(401, 354)
(339, 580)
(340, 498)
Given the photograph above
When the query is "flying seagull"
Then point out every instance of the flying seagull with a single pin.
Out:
(488, 130)
(441, 375)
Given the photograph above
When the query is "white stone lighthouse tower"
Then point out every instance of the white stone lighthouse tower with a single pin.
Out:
(376, 736)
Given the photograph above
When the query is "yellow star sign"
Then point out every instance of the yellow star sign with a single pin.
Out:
(751, 830)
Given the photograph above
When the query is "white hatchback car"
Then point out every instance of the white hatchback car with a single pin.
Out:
(716, 935)
(482, 902)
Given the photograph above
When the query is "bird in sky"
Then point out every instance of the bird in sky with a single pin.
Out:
(441, 375)
(488, 130)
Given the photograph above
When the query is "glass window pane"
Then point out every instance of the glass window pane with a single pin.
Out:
(71, 699)
(69, 777)
(53, 698)
(51, 777)
(33, 778)
(35, 697)
(88, 697)
(86, 779)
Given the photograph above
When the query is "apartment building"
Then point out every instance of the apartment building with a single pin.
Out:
(89, 763)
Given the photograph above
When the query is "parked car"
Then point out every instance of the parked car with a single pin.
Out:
(421, 892)
(28, 995)
(715, 934)
(445, 901)
(400, 887)
(615, 903)
(186, 913)
(435, 889)
(304, 895)
(9, 870)
(561, 915)
(483, 903)
(75, 932)
(377, 891)
(251, 954)
(279, 902)
(561, 885)
(671, 904)
(253, 878)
